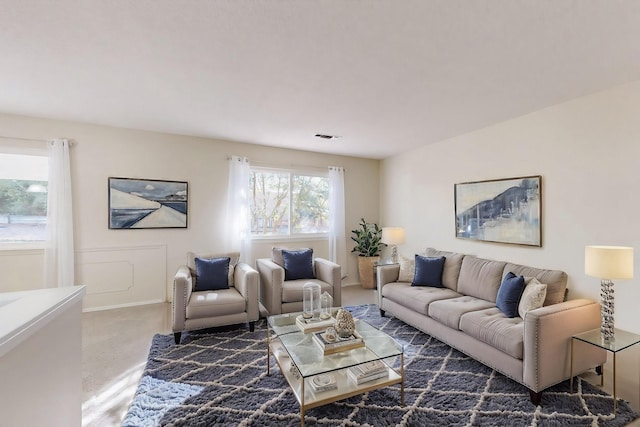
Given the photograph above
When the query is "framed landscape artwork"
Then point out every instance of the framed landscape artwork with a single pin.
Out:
(147, 203)
(500, 210)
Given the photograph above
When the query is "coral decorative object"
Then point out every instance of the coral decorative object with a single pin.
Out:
(344, 324)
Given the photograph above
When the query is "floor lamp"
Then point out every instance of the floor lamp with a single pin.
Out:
(393, 236)
(608, 263)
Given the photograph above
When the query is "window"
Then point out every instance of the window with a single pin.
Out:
(286, 203)
(23, 197)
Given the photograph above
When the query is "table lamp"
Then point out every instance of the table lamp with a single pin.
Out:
(608, 263)
(393, 236)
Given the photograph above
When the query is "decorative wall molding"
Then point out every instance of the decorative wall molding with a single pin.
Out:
(122, 276)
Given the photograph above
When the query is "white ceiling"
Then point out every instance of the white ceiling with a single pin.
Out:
(385, 75)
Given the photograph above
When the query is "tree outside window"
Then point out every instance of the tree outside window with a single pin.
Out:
(287, 203)
(23, 199)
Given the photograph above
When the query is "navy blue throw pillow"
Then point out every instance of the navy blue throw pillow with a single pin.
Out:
(428, 271)
(213, 274)
(509, 294)
(298, 264)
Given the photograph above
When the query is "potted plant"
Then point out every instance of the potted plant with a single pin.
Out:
(368, 240)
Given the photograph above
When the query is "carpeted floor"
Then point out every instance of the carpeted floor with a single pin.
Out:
(219, 378)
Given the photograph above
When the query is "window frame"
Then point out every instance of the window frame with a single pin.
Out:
(25, 148)
(291, 172)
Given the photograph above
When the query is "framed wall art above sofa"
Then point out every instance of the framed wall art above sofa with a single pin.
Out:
(500, 210)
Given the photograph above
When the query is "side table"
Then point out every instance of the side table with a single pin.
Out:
(622, 340)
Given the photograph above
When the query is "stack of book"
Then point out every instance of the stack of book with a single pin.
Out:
(367, 372)
(323, 382)
(337, 344)
(313, 325)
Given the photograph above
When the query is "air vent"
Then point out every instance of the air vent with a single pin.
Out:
(325, 136)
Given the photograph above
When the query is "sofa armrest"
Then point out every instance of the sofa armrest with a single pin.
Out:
(246, 282)
(271, 279)
(547, 342)
(330, 272)
(182, 288)
(386, 274)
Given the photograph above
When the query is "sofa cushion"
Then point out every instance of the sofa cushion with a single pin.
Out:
(292, 289)
(480, 278)
(428, 271)
(509, 294)
(452, 266)
(234, 258)
(533, 296)
(555, 280)
(492, 327)
(416, 298)
(215, 303)
(407, 269)
(298, 264)
(449, 311)
(213, 274)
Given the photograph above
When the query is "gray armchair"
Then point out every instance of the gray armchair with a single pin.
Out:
(195, 309)
(278, 295)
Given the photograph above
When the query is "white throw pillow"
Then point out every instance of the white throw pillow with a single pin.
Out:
(407, 269)
(532, 297)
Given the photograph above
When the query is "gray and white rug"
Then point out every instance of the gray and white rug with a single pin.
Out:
(220, 378)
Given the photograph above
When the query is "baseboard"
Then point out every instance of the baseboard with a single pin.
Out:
(111, 307)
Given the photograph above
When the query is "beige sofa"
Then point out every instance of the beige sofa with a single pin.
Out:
(534, 351)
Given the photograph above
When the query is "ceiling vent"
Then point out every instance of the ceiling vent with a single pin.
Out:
(324, 136)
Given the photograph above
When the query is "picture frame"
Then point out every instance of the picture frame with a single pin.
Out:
(500, 210)
(147, 203)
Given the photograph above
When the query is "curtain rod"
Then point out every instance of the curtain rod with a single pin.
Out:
(23, 139)
(17, 138)
(281, 166)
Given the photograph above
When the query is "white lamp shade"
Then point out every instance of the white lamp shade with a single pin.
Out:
(608, 262)
(393, 235)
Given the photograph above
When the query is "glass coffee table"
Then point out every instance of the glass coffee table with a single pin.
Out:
(316, 379)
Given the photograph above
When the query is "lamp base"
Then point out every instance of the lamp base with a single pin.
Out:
(394, 254)
(606, 296)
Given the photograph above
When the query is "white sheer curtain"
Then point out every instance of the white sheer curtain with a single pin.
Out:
(237, 225)
(58, 253)
(337, 239)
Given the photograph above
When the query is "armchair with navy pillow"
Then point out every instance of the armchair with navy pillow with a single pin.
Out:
(283, 275)
(214, 290)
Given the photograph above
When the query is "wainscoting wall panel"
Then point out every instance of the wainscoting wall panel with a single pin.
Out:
(21, 269)
(122, 276)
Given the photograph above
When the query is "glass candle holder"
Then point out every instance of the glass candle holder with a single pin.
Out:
(311, 301)
(326, 305)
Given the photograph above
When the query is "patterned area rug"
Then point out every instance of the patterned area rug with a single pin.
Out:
(220, 378)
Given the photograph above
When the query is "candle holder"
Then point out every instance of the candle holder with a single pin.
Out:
(311, 301)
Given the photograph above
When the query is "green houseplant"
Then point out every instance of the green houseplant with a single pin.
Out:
(368, 239)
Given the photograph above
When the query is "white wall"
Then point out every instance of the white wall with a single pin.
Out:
(588, 153)
(135, 259)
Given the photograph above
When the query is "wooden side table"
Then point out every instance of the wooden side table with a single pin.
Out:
(622, 340)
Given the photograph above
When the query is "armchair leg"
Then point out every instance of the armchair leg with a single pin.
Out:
(381, 313)
(176, 337)
(252, 326)
(536, 397)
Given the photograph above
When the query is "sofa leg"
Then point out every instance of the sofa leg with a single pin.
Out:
(252, 326)
(381, 313)
(176, 337)
(536, 397)
(599, 369)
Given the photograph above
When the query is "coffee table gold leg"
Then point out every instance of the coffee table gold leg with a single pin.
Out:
(302, 403)
(402, 383)
(268, 351)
